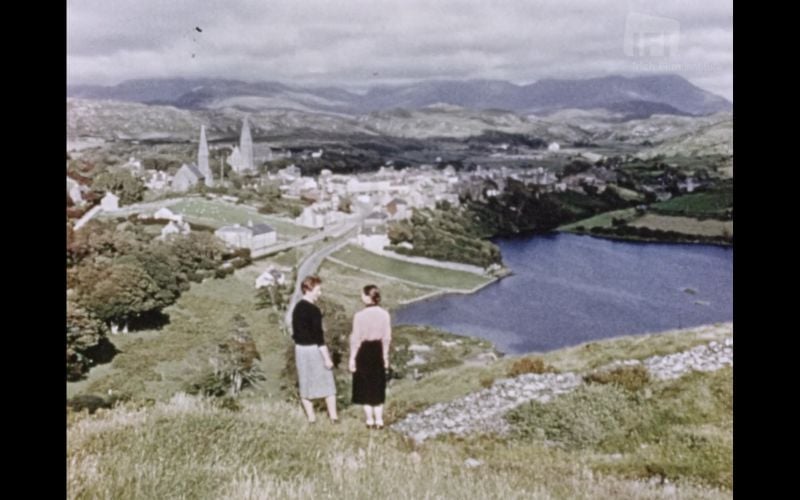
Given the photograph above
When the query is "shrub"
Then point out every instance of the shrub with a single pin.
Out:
(234, 365)
(530, 365)
(486, 381)
(587, 417)
(92, 403)
(631, 378)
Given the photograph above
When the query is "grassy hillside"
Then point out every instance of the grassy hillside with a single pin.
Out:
(680, 443)
(668, 439)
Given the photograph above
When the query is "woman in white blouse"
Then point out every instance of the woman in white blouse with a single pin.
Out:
(369, 356)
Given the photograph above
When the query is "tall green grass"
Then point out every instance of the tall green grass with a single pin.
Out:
(190, 448)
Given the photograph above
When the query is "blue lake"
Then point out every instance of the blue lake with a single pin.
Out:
(568, 289)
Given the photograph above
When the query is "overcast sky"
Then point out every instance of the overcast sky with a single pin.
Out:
(359, 43)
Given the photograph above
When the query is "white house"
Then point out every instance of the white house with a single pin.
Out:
(312, 216)
(75, 191)
(256, 237)
(175, 227)
(166, 213)
(375, 219)
(373, 242)
(186, 178)
(289, 173)
(157, 180)
(272, 276)
(553, 147)
(592, 157)
(355, 186)
(110, 202)
(301, 184)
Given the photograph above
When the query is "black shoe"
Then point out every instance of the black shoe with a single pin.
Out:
(334, 420)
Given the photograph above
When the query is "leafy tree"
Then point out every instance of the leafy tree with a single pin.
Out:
(197, 252)
(118, 291)
(122, 183)
(100, 240)
(163, 267)
(86, 337)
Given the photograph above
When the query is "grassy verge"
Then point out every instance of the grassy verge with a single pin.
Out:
(425, 275)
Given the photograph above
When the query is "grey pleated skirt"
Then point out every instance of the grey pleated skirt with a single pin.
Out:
(314, 379)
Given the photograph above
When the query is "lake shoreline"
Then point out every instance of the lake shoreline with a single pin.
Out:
(575, 290)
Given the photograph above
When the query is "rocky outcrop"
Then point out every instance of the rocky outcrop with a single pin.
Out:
(483, 411)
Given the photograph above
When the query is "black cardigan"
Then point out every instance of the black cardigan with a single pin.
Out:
(307, 324)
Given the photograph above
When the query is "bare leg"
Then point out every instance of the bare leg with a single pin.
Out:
(368, 414)
(330, 401)
(309, 408)
(379, 416)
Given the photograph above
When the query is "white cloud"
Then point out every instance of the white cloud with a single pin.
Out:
(347, 42)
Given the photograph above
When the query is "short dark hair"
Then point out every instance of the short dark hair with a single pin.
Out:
(373, 293)
(309, 283)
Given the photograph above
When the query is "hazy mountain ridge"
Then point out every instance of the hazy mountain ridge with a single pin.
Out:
(636, 97)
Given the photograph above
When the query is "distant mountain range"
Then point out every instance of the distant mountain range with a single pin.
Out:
(666, 134)
(629, 98)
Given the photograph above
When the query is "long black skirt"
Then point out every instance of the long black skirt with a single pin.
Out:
(369, 380)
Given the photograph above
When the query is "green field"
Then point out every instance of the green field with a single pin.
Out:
(218, 214)
(424, 275)
(344, 284)
(685, 225)
(708, 204)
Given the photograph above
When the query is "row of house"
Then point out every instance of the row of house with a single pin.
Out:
(256, 237)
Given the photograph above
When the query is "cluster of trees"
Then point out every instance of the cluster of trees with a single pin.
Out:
(489, 137)
(340, 161)
(460, 235)
(624, 230)
(118, 276)
(444, 234)
(122, 183)
(524, 208)
(271, 201)
(102, 179)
